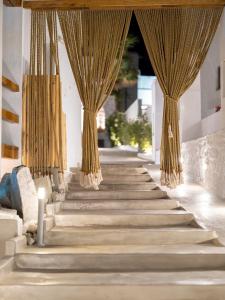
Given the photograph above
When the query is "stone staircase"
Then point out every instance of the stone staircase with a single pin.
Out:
(127, 241)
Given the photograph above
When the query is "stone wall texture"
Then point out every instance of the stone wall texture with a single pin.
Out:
(204, 162)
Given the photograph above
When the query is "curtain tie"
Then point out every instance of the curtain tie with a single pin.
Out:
(89, 111)
(171, 99)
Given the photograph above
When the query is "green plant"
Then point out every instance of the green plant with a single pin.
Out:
(135, 133)
(127, 71)
(141, 132)
(117, 128)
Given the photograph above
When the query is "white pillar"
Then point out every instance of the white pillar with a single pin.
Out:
(72, 108)
(157, 114)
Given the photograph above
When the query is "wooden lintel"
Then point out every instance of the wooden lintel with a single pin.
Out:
(118, 4)
(12, 3)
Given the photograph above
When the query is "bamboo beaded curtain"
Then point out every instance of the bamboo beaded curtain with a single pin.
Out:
(177, 40)
(42, 108)
(95, 42)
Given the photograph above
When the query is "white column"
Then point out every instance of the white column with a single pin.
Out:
(157, 114)
(72, 108)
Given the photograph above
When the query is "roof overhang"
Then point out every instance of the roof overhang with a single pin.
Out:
(117, 4)
(12, 2)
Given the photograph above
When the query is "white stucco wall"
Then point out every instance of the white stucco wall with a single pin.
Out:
(190, 111)
(132, 111)
(1, 27)
(12, 69)
(73, 109)
(203, 148)
(26, 40)
(192, 122)
(157, 114)
(204, 162)
(16, 52)
(210, 94)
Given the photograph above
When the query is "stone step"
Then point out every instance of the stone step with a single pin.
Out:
(116, 195)
(123, 218)
(6, 266)
(10, 226)
(126, 178)
(67, 236)
(130, 164)
(123, 258)
(119, 170)
(139, 186)
(158, 204)
(122, 170)
(119, 178)
(198, 285)
(2, 249)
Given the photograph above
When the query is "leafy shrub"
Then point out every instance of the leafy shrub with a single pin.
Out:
(117, 126)
(135, 133)
(141, 133)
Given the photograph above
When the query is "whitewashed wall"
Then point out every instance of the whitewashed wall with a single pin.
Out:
(16, 51)
(26, 40)
(12, 69)
(132, 111)
(190, 111)
(157, 114)
(204, 162)
(73, 109)
(203, 149)
(210, 94)
(192, 124)
(1, 25)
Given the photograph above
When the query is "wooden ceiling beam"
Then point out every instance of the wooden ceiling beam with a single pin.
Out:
(117, 4)
(12, 3)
